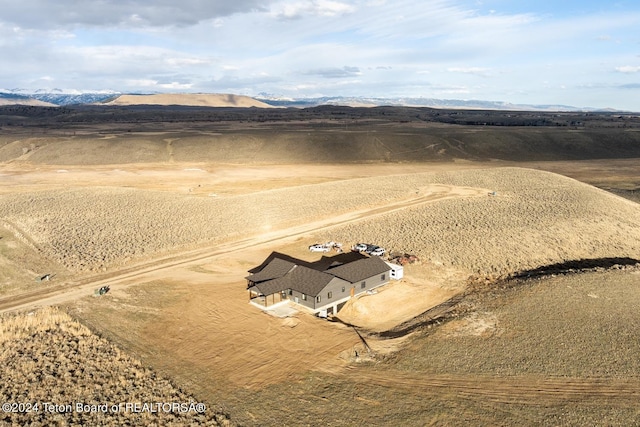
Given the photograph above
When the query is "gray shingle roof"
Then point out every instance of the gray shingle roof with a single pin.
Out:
(275, 268)
(279, 274)
(302, 279)
(359, 270)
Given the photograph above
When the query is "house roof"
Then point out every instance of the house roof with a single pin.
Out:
(302, 279)
(277, 274)
(274, 255)
(275, 268)
(326, 262)
(359, 270)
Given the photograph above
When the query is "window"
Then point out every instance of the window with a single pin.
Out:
(329, 295)
(363, 285)
(290, 291)
(343, 289)
(318, 298)
(382, 277)
(304, 297)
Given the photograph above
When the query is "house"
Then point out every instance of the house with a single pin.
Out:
(322, 286)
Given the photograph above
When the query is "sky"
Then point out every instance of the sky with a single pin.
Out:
(580, 53)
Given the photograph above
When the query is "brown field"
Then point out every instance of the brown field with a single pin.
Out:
(174, 238)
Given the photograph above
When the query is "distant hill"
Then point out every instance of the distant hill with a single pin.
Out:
(473, 104)
(265, 100)
(190, 100)
(14, 99)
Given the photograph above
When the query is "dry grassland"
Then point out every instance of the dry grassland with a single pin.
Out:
(536, 219)
(21, 266)
(92, 229)
(555, 351)
(48, 358)
(540, 327)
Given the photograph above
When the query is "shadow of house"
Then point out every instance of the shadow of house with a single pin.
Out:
(323, 285)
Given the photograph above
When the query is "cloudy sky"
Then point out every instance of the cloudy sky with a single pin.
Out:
(583, 53)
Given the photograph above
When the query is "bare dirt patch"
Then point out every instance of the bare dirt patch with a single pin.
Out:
(208, 306)
(398, 301)
(474, 324)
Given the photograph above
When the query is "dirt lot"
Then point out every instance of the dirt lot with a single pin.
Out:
(200, 317)
(422, 288)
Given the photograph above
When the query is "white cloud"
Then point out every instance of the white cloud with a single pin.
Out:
(299, 9)
(52, 14)
(185, 61)
(484, 72)
(336, 72)
(175, 85)
(146, 83)
(628, 69)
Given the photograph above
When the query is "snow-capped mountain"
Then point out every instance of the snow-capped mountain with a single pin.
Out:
(357, 101)
(62, 96)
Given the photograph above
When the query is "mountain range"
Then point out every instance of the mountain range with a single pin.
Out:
(59, 97)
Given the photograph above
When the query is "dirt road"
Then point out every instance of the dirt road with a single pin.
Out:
(125, 277)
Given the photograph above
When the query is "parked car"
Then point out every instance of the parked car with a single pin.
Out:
(359, 247)
(377, 252)
(371, 248)
(319, 248)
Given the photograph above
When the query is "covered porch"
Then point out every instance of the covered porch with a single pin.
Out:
(262, 300)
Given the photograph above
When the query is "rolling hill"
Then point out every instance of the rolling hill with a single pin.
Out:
(190, 99)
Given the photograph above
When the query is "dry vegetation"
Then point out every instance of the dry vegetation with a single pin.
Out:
(536, 219)
(91, 229)
(108, 135)
(46, 357)
(21, 265)
(505, 332)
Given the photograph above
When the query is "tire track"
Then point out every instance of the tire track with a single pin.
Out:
(525, 390)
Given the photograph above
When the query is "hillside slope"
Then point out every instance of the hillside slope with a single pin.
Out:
(72, 365)
(317, 144)
(190, 99)
(535, 219)
(23, 100)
